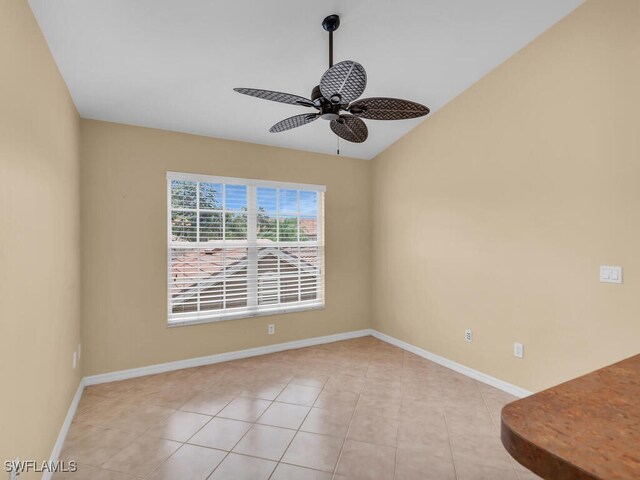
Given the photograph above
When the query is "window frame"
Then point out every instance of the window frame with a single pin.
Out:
(252, 246)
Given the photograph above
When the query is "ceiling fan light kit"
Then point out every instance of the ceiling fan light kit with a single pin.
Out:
(339, 89)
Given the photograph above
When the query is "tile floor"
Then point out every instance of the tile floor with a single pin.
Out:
(358, 410)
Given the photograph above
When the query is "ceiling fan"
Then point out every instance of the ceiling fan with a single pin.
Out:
(339, 89)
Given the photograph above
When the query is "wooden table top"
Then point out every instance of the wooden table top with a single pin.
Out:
(585, 429)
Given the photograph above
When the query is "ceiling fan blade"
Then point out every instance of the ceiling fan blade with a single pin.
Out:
(351, 128)
(276, 96)
(293, 122)
(381, 108)
(344, 82)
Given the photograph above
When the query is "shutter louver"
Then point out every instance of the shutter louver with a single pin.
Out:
(240, 248)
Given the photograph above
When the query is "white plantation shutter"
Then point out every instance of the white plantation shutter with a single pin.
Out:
(240, 248)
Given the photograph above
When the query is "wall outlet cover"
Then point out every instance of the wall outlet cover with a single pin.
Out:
(468, 336)
(271, 329)
(518, 350)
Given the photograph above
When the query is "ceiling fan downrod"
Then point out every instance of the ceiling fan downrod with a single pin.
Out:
(331, 24)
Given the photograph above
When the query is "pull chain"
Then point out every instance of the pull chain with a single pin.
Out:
(337, 145)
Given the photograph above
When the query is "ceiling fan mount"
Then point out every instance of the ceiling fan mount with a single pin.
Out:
(331, 23)
(338, 92)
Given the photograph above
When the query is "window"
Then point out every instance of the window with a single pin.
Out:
(240, 248)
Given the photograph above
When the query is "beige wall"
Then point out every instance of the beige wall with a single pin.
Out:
(493, 215)
(496, 213)
(39, 240)
(124, 225)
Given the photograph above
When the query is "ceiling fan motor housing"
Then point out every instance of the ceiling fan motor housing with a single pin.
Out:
(328, 110)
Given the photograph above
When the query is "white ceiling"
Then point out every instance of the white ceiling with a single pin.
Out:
(172, 64)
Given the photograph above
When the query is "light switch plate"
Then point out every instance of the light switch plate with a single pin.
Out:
(610, 274)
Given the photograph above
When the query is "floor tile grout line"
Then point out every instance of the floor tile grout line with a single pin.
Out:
(186, 442)
(255, 423)
(395, 458)
(495, 424)
(182, 444)
(134, 439)
(236, 444)
(299, 427)
(453, 459)
(110, 470)
(164, 461)
(209, 421)
(335, 468)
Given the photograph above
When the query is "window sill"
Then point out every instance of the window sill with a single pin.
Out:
(243, 314)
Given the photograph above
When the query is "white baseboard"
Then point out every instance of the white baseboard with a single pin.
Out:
(308, 342)
(57, 448)
(457, 367)
(252, 352)
(220, 357)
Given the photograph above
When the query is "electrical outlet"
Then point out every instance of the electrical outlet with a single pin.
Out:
(271, 329)
(75, 359)
(468, 336)
(518, 350)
